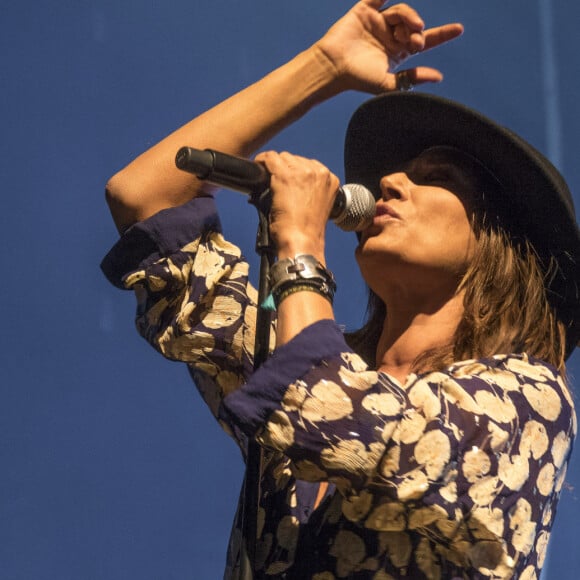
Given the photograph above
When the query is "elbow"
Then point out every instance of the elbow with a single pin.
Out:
(121, 201)
(112, 194)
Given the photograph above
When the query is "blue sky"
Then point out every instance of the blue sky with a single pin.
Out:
(111, 467)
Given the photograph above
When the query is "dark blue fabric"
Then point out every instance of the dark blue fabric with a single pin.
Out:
(306, 494)
(159, 236)
(251, 405)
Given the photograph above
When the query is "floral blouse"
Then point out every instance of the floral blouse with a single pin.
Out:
(454, 474)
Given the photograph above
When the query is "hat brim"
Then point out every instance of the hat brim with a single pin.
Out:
(388, 131)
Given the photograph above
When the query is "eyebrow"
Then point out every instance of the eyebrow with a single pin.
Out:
(438, 160)
(464, 176)
(471, 169)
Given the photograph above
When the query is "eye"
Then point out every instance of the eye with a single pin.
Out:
(433, 175)
(437, 175)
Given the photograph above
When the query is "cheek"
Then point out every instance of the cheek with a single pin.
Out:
(459, 242)
(453, 218)
(461, 226)
(447, 234)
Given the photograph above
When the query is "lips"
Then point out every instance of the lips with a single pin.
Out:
(383, 214)
(385, 210)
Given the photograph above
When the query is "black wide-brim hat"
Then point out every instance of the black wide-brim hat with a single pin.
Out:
(388, 131)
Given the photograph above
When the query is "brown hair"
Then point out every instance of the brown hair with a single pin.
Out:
(506, 307)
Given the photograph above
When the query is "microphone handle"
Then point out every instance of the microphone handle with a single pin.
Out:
(227, 171)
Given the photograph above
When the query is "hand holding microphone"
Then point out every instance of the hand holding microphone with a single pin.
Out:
(354, 205)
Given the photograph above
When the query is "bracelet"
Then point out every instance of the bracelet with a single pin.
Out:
(301, 268)
(289, 289)
(301, 273)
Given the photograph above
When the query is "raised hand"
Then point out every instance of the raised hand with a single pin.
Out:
(367, 45)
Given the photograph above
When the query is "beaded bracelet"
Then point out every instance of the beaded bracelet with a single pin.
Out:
(292, 288)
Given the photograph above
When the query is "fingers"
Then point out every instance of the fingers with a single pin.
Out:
(442, 34)
(408, 41)
(408, 30)
(378, 4)
(424, 74)
(402, 14)
(300, 172)
(283, 161)
(406, 80)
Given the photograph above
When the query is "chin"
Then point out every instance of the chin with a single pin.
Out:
(375, 245)
(372, 256)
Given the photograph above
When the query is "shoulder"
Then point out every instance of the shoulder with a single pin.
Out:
(508, 384)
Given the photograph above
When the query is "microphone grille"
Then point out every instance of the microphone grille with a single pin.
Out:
(359, 210)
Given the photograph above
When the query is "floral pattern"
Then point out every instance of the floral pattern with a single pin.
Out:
(454, 474)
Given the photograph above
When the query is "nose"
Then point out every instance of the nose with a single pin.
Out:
(395, 186)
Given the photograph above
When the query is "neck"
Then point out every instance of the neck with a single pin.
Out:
(413, 327)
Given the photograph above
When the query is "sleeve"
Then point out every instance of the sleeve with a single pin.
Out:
(195, 303)
(316, 401)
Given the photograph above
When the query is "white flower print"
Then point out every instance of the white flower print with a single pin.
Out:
(423, 398)
(544, 400)
(476, 464)
(351, 455)
(560, 448)
(534, 440)
(384, 404)
(485, 490)
(225, 311)
(433, 451)
(387, 517)
(411, 427)
(513, 470)
(294, 397)
(545, 481)
(357, 506)
(398, 546)
(413, 486)
(358, 380)
(349, 550)
(278, 432)
(328, 402)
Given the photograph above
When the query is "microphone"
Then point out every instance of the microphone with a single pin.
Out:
(354, 205)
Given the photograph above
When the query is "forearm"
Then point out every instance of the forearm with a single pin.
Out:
(238, 125)
(301, 309)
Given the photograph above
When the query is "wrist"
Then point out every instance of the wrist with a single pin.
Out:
(313, 79)
(301, 273)
(292, 250)
(329, 74)
(296, 243)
